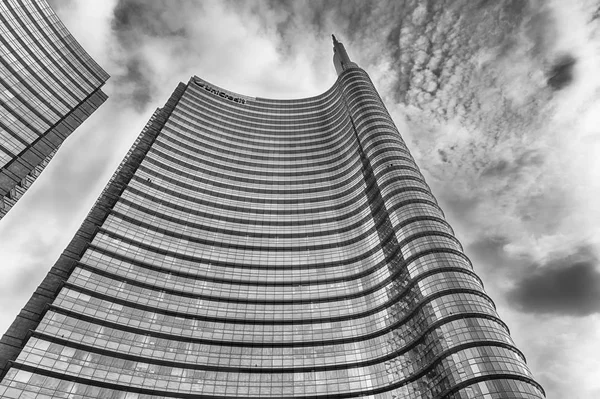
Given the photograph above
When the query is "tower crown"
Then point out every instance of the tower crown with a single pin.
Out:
(341, 60)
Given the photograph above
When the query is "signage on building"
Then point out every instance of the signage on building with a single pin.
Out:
(219, 92)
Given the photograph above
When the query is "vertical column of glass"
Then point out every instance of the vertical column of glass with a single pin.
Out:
(460, 341)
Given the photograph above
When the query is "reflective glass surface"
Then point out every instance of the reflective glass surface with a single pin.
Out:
(48, 86)
(272, 248)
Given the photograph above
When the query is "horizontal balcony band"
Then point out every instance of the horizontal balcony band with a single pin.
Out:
(238, 131)
(270, 344)
(75, 50)
(206, 140)
(363, 273)
(308, 104)
(409, 290)
(14, 135)
(372, 141)
(26, 83)
(323, 265)
(476, 380)
(299, 135)
(198, 107)
(332, 319)
(210, 157)
(382, 140)
(68, 60)
(388, 387)
(271, 370)
(150, 166)
(335, 158)
(411, 283)
(334, 173)
(275, 108)
(211, 143)
(275, 249)
(216, 135)
(207, 164)
(17, 112)
(480, 333)
(35, 47)
(214, 207)
(284, 344)
(359, 90)
(363, 94)
(203, 106)
(355, 225)
(390, 158)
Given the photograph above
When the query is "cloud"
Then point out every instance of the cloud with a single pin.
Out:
(138, 83)
(566, 285)
(511, 167)
(561, 74)
(492, 250)
(153, 19)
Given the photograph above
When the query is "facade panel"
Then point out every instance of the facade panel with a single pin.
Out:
(48, 86)
(249, 247)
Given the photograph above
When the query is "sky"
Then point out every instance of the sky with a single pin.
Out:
(499, 102)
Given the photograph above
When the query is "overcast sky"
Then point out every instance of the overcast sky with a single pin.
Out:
(499, 102)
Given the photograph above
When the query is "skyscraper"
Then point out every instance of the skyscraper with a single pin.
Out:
(249, 247)
(48, 86)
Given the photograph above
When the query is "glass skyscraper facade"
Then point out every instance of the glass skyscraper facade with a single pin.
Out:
(249, 247)
(48, 86)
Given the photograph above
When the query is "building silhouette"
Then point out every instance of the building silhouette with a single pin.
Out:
(48, 86)
(249, 247)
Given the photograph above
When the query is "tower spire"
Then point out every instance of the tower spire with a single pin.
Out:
(341, 60)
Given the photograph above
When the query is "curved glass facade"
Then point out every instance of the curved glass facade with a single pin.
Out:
(249, 247)
(48, 86)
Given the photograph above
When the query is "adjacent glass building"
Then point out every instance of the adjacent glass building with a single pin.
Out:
(249, 247)
(48, 86)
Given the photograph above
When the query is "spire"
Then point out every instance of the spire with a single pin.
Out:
(341, 60)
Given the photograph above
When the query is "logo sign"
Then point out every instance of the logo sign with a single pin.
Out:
(220, 93)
